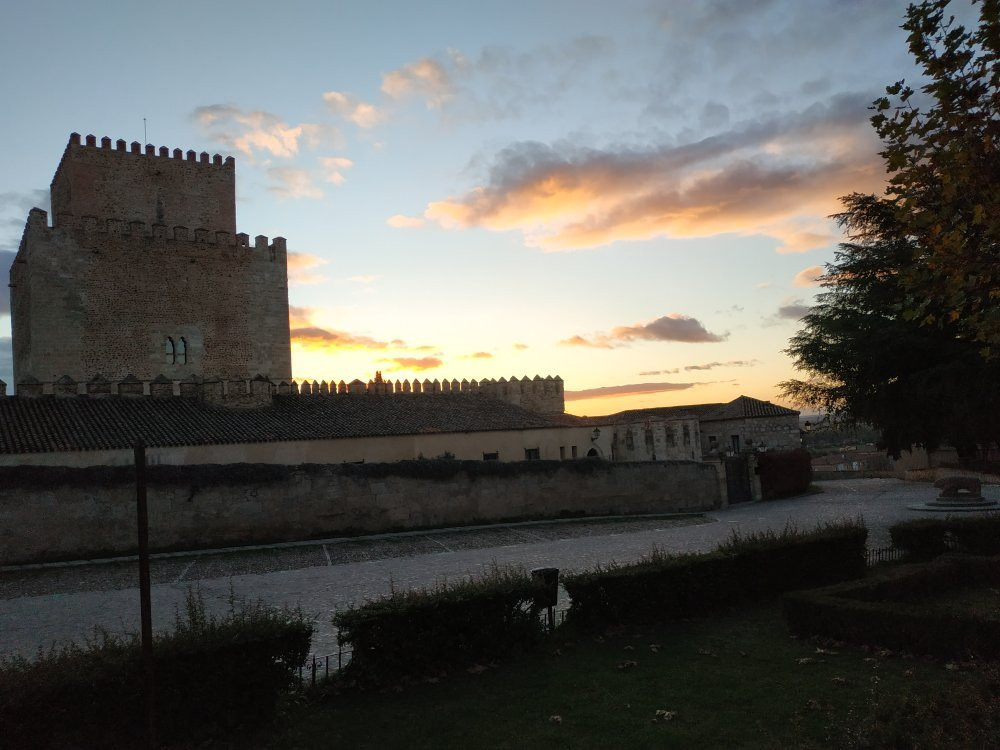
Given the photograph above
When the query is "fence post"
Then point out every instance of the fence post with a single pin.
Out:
(145, 605)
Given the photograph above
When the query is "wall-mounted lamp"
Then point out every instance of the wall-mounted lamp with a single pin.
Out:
(596, 434)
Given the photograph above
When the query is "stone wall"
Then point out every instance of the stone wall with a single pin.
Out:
(771, 433)
(100, 297)
(136, 184)
(73, 521)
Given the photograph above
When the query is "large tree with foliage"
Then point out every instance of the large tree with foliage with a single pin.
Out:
(942, 154)
(906, 335)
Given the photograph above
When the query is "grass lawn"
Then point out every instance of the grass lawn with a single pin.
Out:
(733, 681)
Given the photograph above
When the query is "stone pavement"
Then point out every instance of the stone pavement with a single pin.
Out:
(42, 606)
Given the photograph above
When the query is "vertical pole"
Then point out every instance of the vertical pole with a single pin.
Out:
(142, 518)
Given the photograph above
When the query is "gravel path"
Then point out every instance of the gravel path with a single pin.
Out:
(40, 606)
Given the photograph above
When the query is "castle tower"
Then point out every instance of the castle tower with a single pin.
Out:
(142, 273)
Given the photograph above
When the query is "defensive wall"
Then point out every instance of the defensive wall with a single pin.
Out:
(64, 517)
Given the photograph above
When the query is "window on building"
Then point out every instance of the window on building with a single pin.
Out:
(671, 437)
(649, 438)
(562, 452)
(532, 454)
(495, 456)
(735, 440)
(629, 440)
(182, 351)
(170, 351)
(572, 451)
(713, 443)
(687, 435)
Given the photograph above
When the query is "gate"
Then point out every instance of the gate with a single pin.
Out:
(738, 479)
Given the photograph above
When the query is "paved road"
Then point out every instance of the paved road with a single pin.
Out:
(42, 606)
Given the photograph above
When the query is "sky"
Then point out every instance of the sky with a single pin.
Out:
(633, 196)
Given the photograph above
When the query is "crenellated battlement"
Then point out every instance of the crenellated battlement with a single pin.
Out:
(162, 152)
(543, 395)
(91, 231)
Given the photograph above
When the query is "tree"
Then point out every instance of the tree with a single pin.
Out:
(906, 335)
(943, 161)
(917, 384)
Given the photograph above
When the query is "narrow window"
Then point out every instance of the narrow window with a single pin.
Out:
(532, 454)
(572, 451)
(495, 456)
(713, 443)
(182, 351)
(170, 351)
(562, 452)
(687, 435)
(649, 438)
(671, 437)
(736, 443)
(629, 440)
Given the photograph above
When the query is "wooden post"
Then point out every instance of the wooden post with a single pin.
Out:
(145, 605)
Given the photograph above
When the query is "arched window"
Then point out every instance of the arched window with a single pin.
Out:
(182, 351)
(170, 351)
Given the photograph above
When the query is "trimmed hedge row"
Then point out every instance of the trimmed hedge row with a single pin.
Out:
(925, 538)
(895, 610)
(209, 475)
(421, 633)
(213, 677)
(784, 473)
(662, 587)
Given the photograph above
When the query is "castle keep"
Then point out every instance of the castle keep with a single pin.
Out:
(142, 273)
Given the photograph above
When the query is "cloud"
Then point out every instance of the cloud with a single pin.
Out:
(425, 77)
(634, 389)
(300, 268)
(796, 310)
(808, 277)
(292, 183)
(315, 338)
(762, 285)
(478, 355)
(773, 176)
(399, 221)
(348, 106)
(673, 327)
(519, 346)
(20, 203)
(412, 363)
(257, 131)
(706, 366)
(333, 168)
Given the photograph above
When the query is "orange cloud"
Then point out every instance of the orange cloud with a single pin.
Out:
(254, 131)
(400, 221)
(673, 327)
(808, 277)
(478, 355)
(412, 363)
(333, 168)
(425, 77)
(778, 178)
(348, 106)
(634, 389)
(520, 347)
(300, 268)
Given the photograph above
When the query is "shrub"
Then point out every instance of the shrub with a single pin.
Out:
(662, 586)
(213, 675)
(424, 632)
(924, 538)
(896, 610)
(784, 473)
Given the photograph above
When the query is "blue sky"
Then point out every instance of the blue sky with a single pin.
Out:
(632, 197)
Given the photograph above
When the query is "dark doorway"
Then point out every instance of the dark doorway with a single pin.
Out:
(738, 479)
(592, 453)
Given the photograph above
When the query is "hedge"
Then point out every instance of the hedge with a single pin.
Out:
(895, 610)
(663, 587)
(214, 677)
(924, 538)
(784, 473)
(421, 633)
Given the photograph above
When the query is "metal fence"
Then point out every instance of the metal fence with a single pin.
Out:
(884, 555)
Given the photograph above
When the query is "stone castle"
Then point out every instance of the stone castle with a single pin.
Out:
(142, 286)
(142, 273)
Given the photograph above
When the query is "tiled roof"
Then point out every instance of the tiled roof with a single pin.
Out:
(46, 424)
(745, 407)
(739, 408)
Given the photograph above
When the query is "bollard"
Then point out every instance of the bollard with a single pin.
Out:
(548, 594)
